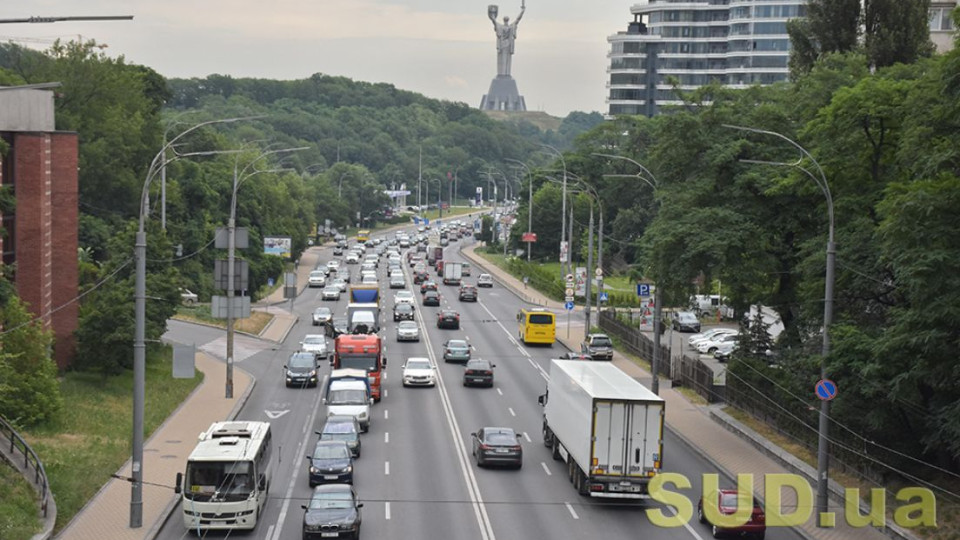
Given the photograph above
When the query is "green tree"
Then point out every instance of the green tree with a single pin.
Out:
(830, 26)
(896, 31)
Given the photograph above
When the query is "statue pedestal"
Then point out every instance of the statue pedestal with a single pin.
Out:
(503, 96)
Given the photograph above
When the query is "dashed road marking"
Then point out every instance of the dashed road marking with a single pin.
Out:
(545, 469)
(572, 511)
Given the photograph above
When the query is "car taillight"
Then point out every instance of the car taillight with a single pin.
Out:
(458, 317)
(484, 446)
(515, 448)
(488, 373)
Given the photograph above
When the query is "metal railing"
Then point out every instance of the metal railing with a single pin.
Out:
(30, 462)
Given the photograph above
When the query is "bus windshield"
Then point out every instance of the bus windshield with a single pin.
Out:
(365, 362)
(219, 481)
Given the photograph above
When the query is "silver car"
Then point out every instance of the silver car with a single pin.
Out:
(330, 292)
(408, 331)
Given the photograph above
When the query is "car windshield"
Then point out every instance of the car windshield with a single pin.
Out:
(602, 342)
(347, 397)
(364, 362)
(729, 500)
(331, 451)
(408, 325)
(404, 294)
(404, 308)
(686, 317)
(314, 340)
(457, 344)
(322, 312)
(500, 438)
(431, 294)
(326, 500)
(418, 364)
(332, 289)
(478, 364)
(316, 274)
(301, 361)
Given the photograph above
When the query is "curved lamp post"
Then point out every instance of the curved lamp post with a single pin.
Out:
(823, 456)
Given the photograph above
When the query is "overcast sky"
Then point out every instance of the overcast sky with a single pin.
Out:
(441, 48)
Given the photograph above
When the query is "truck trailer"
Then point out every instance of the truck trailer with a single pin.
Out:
(606, 426)
(452, 273)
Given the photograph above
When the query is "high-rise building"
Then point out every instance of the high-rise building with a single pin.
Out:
(686, 44)
(942, 31)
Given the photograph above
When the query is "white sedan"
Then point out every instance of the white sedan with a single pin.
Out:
(408, 331)
(318, 278)
(330, 292)
(404, 297)
(419, 372)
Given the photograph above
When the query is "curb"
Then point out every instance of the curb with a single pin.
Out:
(482, 264)
(796, 466)
(168, 510)
(209, 325)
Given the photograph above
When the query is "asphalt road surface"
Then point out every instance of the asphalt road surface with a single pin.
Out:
(416, 476)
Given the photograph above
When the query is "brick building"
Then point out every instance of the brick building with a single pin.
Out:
(40, 235)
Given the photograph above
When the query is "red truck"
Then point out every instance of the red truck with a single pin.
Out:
(361, 351)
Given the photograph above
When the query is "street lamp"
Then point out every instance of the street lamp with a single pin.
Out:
(564, 257)
(529, 200)
(657, 296)
(140, 317)
(823, 456)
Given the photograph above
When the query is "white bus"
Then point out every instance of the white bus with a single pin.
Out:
(227, 477)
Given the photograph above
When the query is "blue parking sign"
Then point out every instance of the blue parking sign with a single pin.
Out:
(643, 289)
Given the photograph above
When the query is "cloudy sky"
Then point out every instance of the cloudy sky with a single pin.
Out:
(441, 48)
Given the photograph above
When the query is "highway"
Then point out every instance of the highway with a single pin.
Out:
(416, 476)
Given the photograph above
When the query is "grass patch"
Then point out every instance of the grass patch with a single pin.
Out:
(91, 438)
(254, 324)
(19, 506)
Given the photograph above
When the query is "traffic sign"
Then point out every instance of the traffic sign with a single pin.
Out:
(643, 289)
(569, 305)
(569, 291)
(826, 389)
(598, 271)
(569, 278)
(604, 296)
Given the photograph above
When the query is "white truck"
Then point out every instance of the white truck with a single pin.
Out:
(606, 426)
(452, 273)
(348, 393)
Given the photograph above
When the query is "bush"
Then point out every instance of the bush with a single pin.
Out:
(29, 391)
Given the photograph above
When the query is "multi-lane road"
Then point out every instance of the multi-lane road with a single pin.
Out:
(416, 477)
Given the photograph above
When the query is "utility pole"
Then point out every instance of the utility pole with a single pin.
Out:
(419, 183)
(599, 262)
(586, 303)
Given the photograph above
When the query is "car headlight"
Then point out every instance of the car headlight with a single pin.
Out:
(362, 415)
(313, 470)
(348, 469)
(313, 373)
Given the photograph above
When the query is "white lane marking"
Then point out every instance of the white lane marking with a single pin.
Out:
(269, 531)
(386, 437)
(572, 511)
(386, 414)
(499, 391)
(387, 511)
(532, 363)
(686, 525)
(386, 468)
(511, 411)
(293, 478)
(384, 392)
(527, 437)
(545, 469)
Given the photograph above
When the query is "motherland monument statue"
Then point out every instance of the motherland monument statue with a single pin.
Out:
(503, 94)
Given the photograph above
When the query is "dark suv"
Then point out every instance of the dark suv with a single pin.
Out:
(468, 293)
(403, 312)
(598, 346)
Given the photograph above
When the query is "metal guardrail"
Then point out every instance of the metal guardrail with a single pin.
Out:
(30, 462)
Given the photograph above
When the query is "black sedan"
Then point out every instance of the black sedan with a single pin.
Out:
(497, 445)
(478, 372)
(447, 318)
(331, 463)
(333, 512)
(403, 312)
(431, 298)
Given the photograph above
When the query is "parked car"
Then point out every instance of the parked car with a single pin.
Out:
(322, 315)
(598, 346)
(468, 293)
(478, 372)
(403, 312)
(341, 427)
(725, 349)
(456, 350)
(317, 278)
(431, 298)
(448, 318)
(330, 463)
(696, 339)
(419, 372)
(497, 445)
(300, 370)
(315, 344)
(686, 321)
(330, 292)
(408, 331)
(710, 346)
(484, 280)
(404, 297)
(187, 297)
(333, 512)
(726, 501)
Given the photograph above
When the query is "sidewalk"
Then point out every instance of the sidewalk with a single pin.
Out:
(107, 514)
(695, 424)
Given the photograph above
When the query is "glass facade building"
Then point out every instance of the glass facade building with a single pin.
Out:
(686, 44)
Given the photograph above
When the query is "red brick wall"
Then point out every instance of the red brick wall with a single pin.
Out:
(45, 170)
(66, 205)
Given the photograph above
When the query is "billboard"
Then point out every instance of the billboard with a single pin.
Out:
(581, 281)
(277, 245)
(479, 199)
